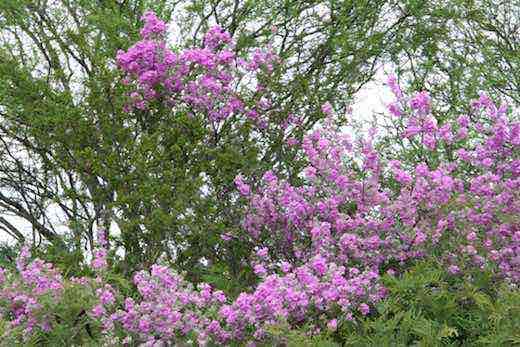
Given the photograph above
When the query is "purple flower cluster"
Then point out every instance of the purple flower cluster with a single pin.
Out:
(99, 261)
(344, 213)
(169, 307)
(205, 80)
(24, 296)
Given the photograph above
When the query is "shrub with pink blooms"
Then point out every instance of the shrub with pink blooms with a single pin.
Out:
(361, 249)
(465, 210)
(38, 304)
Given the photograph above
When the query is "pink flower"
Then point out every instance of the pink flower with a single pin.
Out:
(364, 309)
(259, 270)
(98, 311)
(421, 102)
(394, 86)
(326, 108)
(332, 325)
(453, 269)
(242, 187)
(395, 109)
(420, 237)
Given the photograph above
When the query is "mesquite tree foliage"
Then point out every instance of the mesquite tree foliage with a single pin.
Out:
(456, 49)
(162, 174)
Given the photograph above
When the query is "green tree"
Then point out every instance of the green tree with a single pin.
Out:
(68, 145)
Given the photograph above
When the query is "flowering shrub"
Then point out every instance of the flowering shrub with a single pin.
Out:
(37, 303)
(321, 248)
(344, 213)
(38, 282)
(193, 119)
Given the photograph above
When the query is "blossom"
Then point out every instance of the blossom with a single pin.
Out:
(364, 309)
(321, 241)
(326, 108)
(332, 325)
(394, 86)
(153, 26)
(421, 102)
(243, 188)
(395, 109)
